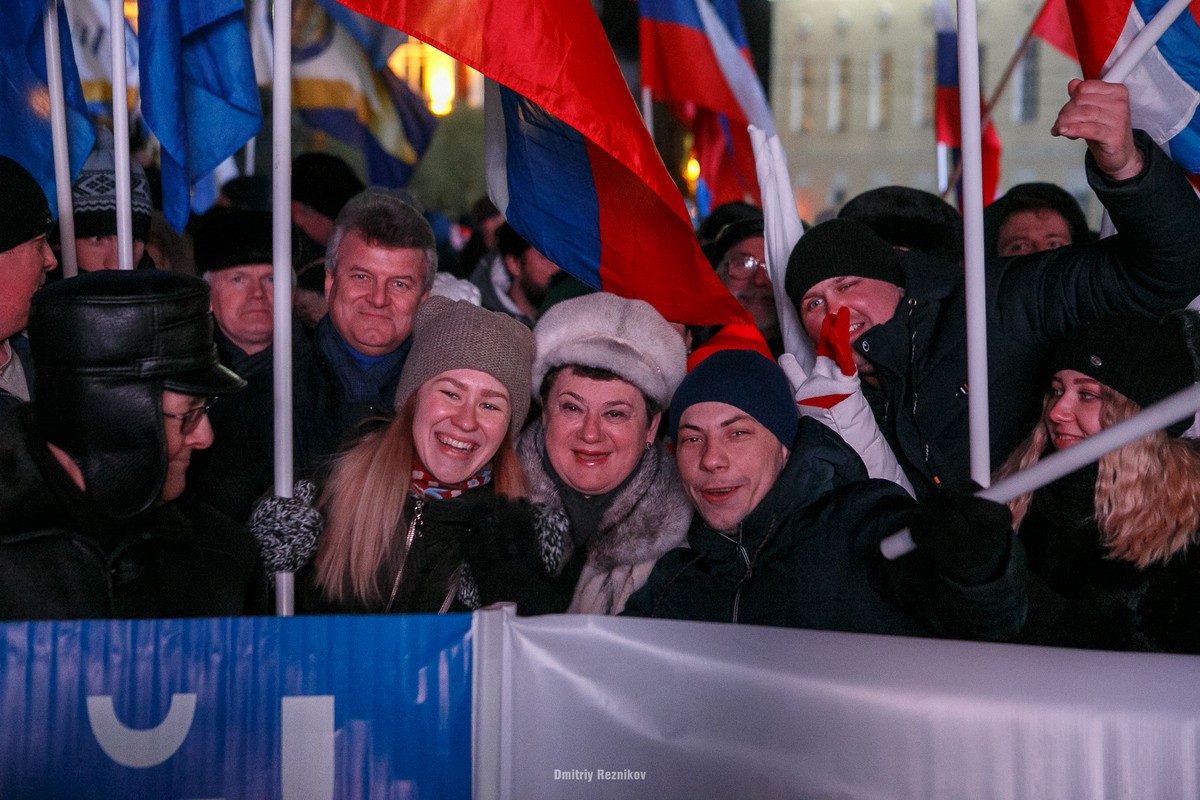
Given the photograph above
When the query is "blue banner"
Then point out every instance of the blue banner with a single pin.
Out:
(307, 708)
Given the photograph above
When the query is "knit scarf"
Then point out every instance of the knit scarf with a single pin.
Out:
(362, 379)
(429, 487)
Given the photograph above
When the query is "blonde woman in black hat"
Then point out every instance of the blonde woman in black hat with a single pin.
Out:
(401, 506)
(606, 491)
(1114, 548)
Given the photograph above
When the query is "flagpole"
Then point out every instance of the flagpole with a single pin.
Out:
(972, 203)
(1178, 406)
(990, 105)
(648, 109)
(1128, 61)
(281, 214)
(120, 108)
(1146, 38)
(58, 130)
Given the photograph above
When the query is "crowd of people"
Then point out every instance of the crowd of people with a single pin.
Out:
(499, 432)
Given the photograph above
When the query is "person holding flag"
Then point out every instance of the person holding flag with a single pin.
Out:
(907, 315)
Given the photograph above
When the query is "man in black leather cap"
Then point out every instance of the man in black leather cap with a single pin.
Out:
(92, 522)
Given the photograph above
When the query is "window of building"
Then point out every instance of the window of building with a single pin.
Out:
(1025, 97)
(879, 93)
(800, 114)
(924, 87)
(839, 93)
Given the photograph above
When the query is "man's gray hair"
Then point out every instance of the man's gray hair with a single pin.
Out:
(383, 219)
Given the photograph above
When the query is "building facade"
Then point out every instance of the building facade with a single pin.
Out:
(852, 90)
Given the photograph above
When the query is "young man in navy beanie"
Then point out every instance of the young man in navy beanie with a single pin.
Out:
(789, 525)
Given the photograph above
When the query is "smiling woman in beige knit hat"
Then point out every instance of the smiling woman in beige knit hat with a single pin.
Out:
(403, 504)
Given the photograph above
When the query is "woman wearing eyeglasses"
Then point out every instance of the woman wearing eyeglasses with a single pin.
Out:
(1114, 548)
(402, 505)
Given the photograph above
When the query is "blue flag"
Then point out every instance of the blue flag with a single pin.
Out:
(199, 95)
(25, 134)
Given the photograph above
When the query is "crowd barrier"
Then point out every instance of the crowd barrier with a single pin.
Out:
(495, 706)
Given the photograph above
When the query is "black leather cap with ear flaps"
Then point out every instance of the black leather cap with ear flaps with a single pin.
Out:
(105, 345)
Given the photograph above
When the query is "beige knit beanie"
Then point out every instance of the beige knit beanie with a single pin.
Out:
(455, 334)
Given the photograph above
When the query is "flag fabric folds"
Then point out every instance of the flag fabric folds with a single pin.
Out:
(199, 96)
(93, 54)
(25, 135)
(1053, 26)
(336, 89)
(377, 40)
(1164, 90)
(948, 108)
(696, 60)
(581, 179)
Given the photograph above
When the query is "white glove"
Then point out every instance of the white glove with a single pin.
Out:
(836, 399)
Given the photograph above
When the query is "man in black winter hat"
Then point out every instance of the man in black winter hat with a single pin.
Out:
(25, 258)
(234, 252)
(908, 311)
(93, 517)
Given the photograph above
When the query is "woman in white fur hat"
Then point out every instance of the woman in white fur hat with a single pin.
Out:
(607, 496)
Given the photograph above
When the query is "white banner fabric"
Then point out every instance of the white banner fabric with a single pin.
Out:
(582, 707)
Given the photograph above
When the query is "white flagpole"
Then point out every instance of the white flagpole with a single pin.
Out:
(58, 132)
(648, 109)
(281, 212)
(973, 249)
(1180, 405)
(120, 109)
(1146, 38)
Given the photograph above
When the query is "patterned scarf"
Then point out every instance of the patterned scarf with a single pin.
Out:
(427, 486)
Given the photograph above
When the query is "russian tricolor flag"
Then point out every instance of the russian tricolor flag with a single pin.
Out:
(575, 170)
(1164, 90)
(695, 58)
(949, 118)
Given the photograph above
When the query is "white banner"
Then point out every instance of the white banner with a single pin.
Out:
(580, 707)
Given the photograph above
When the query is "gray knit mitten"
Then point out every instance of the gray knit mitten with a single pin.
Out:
(287, 528)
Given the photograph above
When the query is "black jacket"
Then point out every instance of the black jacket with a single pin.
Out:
(808, 556)
(61, 557)
(433, 579)
(240, 466)
(1151, 267)
(1080, 597)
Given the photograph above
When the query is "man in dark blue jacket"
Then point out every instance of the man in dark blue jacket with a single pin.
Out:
(789, 526)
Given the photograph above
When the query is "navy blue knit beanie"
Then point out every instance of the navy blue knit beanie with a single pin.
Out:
(743, 379)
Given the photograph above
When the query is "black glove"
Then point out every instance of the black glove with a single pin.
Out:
(967, 537)
(287, 528)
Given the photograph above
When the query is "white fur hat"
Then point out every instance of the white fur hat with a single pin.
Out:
(626, 337)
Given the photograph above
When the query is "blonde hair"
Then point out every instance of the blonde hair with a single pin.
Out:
(363, 504)
(1147, 494)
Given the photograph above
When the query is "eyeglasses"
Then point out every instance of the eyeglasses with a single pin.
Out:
(190, 420)
(744, 266)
